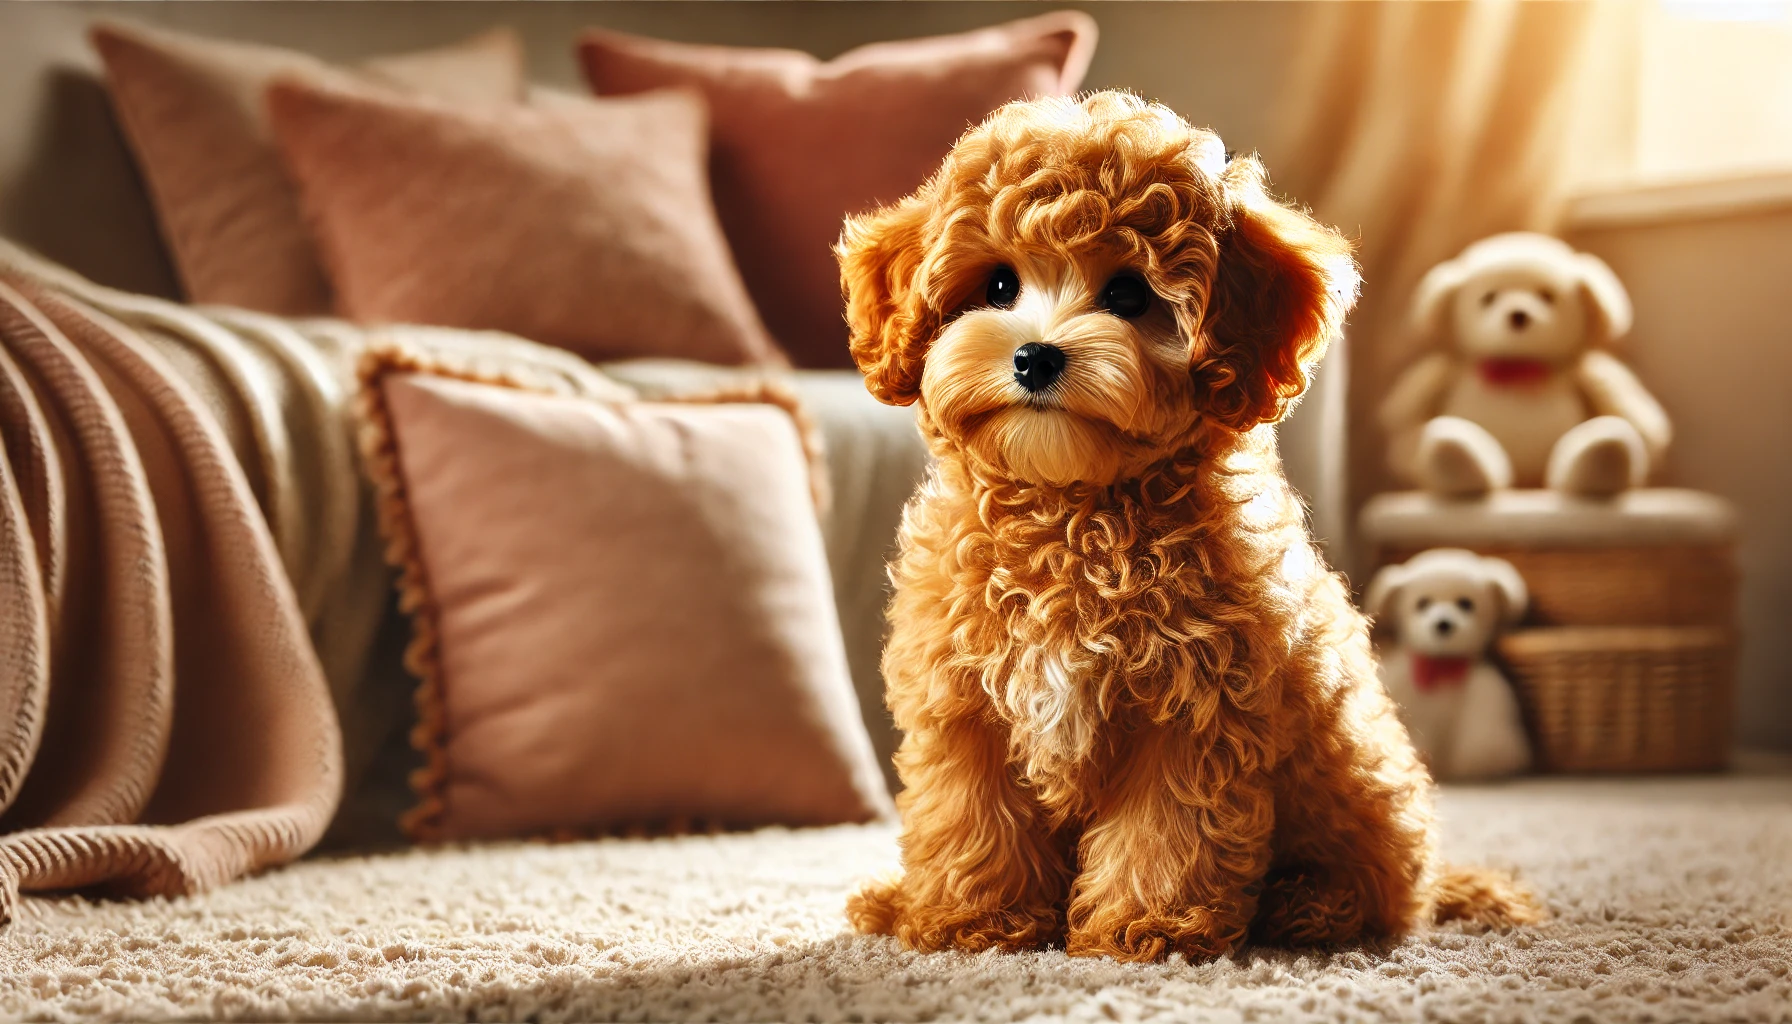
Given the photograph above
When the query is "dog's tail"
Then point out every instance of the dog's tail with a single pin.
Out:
(1485, 896)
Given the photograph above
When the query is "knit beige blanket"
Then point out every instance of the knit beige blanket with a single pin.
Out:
(188, 561)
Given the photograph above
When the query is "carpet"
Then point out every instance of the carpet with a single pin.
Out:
(1671, 901)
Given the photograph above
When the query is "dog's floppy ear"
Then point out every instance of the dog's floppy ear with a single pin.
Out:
(880, 254)
(1606, 298)
(1509, 585)
(1431, 299)
(1282, 286)
(1382, 589)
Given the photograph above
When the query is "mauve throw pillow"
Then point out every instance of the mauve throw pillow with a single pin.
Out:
(576, 222)
(797, 143)
(623, 611)
(193, 112)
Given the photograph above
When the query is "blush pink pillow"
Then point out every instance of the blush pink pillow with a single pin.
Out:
(799, 143)
(623, 610)
(192, 110)
(584, 224)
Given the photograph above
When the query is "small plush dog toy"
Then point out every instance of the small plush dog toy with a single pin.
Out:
(1523, 389)
(1446, 605)
(1140, 715)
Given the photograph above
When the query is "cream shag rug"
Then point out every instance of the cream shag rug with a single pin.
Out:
(1672, 901)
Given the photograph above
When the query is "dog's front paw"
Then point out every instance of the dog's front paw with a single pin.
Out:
(882, 908)
(1140, 938)
(1011, 929)
(874, 908)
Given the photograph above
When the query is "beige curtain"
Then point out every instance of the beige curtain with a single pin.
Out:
(1418, 128)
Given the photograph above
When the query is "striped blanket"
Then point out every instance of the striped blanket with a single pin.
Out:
(190, 581)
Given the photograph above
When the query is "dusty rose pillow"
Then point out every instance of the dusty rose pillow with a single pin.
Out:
(798, 143)
(623, 610)
(581, 223)
(192, 110)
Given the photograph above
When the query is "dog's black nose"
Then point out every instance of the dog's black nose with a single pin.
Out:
(1036, 366)
(1519, 319)
(1444, 627)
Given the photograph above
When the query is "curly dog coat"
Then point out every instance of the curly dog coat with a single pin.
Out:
(1141, 714)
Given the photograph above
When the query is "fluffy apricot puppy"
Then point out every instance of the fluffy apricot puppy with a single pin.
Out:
(1140, 714)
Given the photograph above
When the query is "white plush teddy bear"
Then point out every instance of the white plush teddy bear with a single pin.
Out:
(1525, 393)
(1446, 605)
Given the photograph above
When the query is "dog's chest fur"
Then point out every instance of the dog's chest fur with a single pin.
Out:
(1045, 699)
(1043, 652)
(1077, 621)
(1098, 616)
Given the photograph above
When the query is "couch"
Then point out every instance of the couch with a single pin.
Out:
(72, 194)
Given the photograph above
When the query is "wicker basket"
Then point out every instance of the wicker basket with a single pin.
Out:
(1659, 585)
(1626, 699)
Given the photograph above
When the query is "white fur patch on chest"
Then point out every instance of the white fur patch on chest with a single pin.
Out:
(1046, 701)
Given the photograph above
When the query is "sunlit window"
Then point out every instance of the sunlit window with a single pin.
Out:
(1714, 89)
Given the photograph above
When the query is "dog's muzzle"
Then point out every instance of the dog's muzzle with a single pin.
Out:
(1036, 366)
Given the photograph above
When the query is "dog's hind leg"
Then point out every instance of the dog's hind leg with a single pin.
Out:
(1354, 842)
(1307, 905)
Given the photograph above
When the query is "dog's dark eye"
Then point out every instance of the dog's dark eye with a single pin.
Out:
(1548, 297)
(1424, 603)
(1465, 604)
(1125, 296)
(1487, 300)
(1004, 288)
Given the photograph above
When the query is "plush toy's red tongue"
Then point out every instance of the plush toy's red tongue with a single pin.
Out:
(1432, 672)
(1506, 372)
